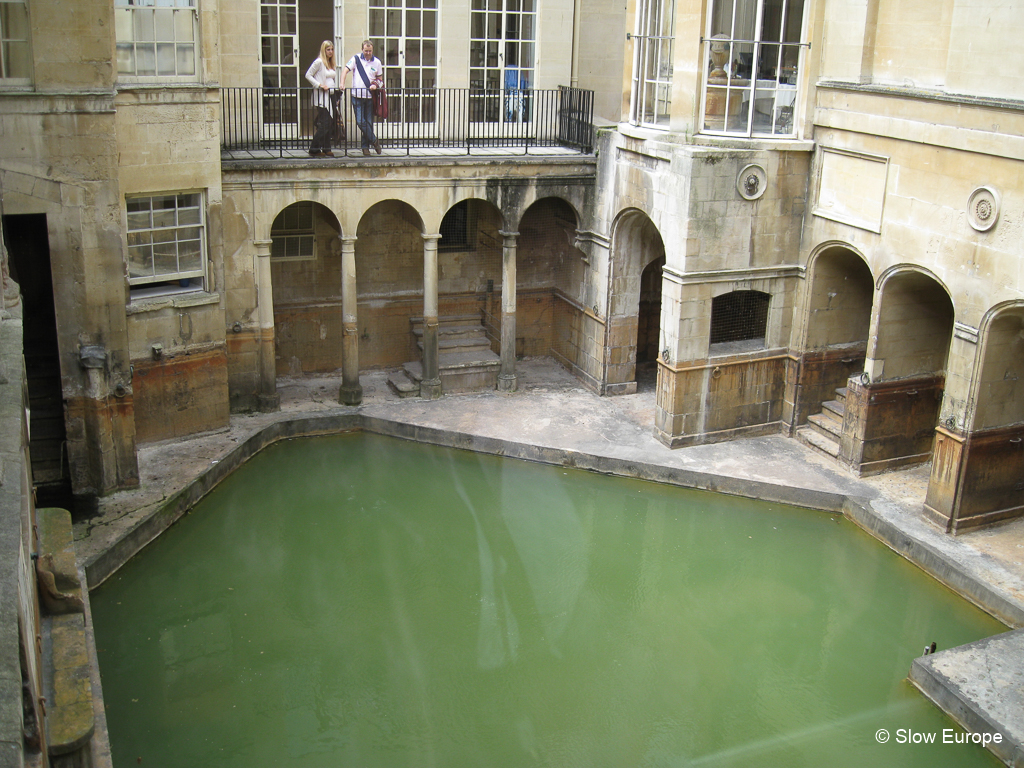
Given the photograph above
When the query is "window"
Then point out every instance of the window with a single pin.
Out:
(15, 58)
(166, 243)
(751, 58)
(292, 235)
(740, 316)
(156, 38)
(651, 94)
(404, 37)
(458, 228)
(501, 42)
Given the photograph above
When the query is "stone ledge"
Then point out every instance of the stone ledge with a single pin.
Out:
(70, 721)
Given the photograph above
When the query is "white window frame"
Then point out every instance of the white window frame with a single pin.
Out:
(293, 233)
(502, 60)
(174, 42)
(9, 38)
(151, 226)
(650, 99)
(769, 80)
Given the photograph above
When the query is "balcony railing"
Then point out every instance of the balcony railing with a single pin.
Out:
(280, 121)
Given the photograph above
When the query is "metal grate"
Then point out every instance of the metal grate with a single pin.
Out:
(739, 316)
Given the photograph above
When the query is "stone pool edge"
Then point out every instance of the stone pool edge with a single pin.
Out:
(860, 511)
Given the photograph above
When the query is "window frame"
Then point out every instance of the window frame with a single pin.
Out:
(281, 234)
(125, 9)
(167, 282)
(730, 94)
(6, 41)
(649, 49)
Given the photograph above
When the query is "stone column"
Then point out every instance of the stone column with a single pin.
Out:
(430, 385)
(351, 392)
(266, 395)
(507, 375)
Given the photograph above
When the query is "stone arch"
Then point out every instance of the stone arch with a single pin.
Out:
(840, 297)
(999, 395)
(389, 283)
(891, 412)
(305, 269)
(913, 328)
(976, 473)
(635, 244)
(839, 301)
(550, 277)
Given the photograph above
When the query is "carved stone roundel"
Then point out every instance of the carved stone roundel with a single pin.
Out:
(983, 208)
(751, 182)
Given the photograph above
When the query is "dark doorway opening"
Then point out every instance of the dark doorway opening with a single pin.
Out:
(28, 249)
(648, 331)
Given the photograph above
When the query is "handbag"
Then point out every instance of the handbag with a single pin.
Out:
(338, 133)
(380, 103)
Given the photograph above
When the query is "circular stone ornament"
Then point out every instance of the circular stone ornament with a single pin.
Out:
(983, 208)
(752, 182)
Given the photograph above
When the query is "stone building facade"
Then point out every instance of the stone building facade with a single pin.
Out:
(806, 214)
(806, 222)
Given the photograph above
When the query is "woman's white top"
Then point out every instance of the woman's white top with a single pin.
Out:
(318, 74)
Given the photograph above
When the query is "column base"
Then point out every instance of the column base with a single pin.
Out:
(507, 382)
(350, 395)
(268, 403)
(430, 389)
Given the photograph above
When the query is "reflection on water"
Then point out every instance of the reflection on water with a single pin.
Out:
(364, 601)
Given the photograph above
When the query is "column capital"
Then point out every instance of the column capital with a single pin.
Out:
(347, 239)
(508, 235)
(262, 247)
(431, 239)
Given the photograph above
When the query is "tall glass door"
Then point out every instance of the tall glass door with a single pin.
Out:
(404, 37)
(280, 69)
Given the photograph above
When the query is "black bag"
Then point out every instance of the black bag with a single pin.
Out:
(338, 133)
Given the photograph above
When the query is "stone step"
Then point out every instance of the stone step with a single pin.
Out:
(453, 331)
(841, 394)
(447, 345)
(826, 424)
(403, 385)
(816, 440)
(835, 408)
(461, 371)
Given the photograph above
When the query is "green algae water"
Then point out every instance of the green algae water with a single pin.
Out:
(365, 601)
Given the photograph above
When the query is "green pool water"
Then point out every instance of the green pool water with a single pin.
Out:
(365, 601)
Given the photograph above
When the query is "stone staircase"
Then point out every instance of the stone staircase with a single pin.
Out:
(824, 430)
(465, 360)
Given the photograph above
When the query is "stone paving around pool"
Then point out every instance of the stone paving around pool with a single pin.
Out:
(553, 417)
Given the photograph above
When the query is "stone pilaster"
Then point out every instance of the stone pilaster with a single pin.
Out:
(430, 385)
(507, 374)
(351, 392)
(267, 396)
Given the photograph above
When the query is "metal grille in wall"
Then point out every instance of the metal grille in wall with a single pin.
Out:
(739, 316)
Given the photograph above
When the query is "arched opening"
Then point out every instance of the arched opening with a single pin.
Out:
(550, 279)
(891, 412)
(469, 272)
(840, 298)
(305, 269)
(648, 326)
(389, 283)
(636, 244)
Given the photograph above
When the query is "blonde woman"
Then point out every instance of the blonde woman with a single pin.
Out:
(323, 76)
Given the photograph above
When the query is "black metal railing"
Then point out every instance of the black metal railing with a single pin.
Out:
(280, 120)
